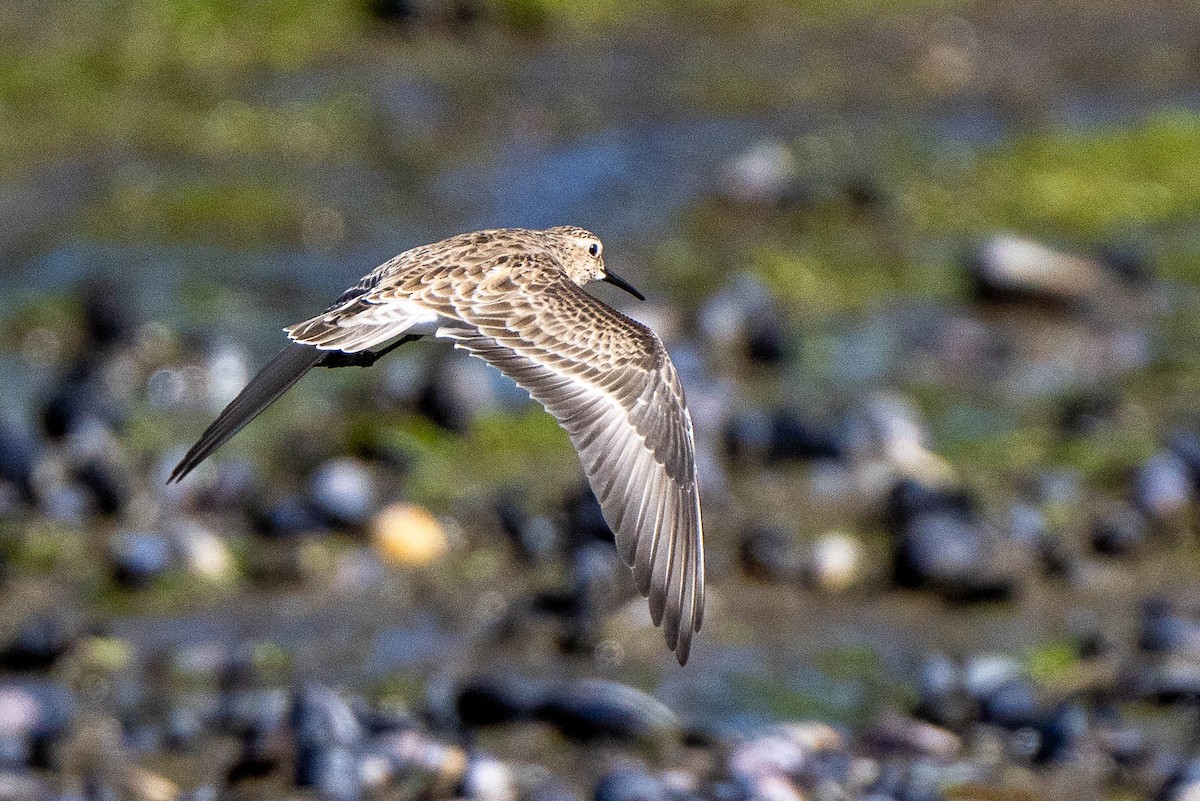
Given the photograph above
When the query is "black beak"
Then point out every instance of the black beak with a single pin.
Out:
(612, 278)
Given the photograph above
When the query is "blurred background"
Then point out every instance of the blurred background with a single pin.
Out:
(929, 272)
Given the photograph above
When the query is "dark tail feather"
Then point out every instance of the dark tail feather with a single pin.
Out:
(276, 378)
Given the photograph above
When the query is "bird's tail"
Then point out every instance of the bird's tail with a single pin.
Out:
(276, 378)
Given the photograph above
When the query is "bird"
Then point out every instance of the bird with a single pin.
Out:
(514, 298)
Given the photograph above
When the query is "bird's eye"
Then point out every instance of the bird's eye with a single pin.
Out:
(594, 249)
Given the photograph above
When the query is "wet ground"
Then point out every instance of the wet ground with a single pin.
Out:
(929, 274)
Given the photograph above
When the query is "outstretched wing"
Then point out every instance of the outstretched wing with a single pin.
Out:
(606, 378)
(609, 382)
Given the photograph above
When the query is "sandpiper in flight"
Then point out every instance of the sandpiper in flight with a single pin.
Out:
(513, 298)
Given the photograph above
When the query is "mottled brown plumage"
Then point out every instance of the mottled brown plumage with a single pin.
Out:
(513, 298)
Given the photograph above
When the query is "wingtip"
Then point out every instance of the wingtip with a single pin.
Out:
(181, 470)
(683, 650)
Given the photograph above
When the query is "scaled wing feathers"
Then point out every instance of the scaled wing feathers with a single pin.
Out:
(611, 385)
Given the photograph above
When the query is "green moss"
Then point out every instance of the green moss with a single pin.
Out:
(237, 211)
(42, 546)
(1051, 662)
(527, 449)
(1087, 183)
(819, 278)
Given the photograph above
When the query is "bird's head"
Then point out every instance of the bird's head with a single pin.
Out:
(583, 259)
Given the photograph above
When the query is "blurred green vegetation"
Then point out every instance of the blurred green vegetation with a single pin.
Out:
(496, 443)
(152, 74)
(1084, 183)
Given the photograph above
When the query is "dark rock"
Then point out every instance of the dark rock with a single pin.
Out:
(399, 12)
(289, 517)
(107, 317)
(909, 498)
(441, 405)
(583, 520)
(80, 396)
(106, 483)
(495, 700)
(767, 553)
(534, 538)
(580, 605)
(259, 757)
(767, 339)
(1128, 261)
(1164, 630)
(137, 559)
(18, 456)
(864, 193)
(1120, 533)
(1012, 705)
(749, 437)
(1058, 732)
(1085, 413)
(605, 710)
(37, 644)
(793, 439)
(947, 553)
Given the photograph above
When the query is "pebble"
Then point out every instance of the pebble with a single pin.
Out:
(834, 563)
(1014, 269)
(344, 491)
(1162, 487)
(406, 535)
(418, 763)
(202, 552)
(763, 174)
(942, 695)
(138, 559)
(488, 779)
(1164, 630)
(1011, 705)
(629, 784)
(35, 713)
(896, 734)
